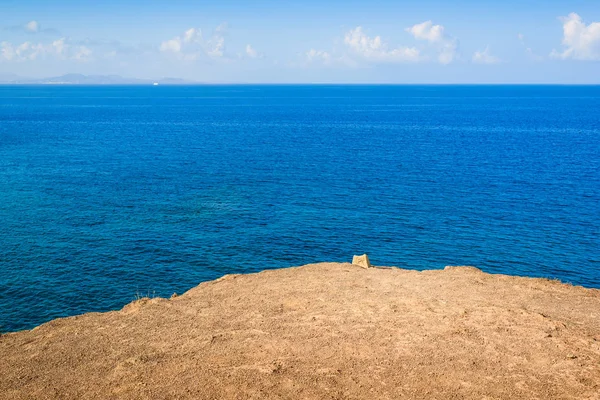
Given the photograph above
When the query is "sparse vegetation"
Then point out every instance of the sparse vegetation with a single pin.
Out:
(140, 295)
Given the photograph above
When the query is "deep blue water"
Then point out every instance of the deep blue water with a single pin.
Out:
(107, 192)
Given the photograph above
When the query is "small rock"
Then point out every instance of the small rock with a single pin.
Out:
(362, 261)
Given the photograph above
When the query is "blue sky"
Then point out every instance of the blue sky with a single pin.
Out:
(306, 41)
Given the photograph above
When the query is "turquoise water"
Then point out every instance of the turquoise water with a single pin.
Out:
(107, 192)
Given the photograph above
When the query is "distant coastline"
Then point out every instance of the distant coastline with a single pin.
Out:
(99, 80)
(80, 79)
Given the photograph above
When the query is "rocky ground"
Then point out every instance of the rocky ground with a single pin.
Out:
(323, 331)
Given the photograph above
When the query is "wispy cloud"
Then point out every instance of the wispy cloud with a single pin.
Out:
(32, 27)
(318, 56)
(530, 53)
(485, 57)
(251, 52)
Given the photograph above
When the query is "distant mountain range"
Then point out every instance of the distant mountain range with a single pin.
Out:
(79, 79)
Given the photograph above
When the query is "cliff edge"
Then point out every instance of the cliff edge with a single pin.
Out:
(322, 331)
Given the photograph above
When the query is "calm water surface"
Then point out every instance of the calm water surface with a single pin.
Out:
(106, 192)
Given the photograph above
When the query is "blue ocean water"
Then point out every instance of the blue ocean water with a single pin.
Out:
(110, 192)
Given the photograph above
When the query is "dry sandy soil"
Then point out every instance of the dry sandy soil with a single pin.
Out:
(323, 331)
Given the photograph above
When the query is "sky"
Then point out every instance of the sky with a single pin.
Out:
(309, 41)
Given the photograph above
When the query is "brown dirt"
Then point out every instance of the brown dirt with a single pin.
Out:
(323, 331)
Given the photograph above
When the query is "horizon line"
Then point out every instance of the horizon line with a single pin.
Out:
(149, 83)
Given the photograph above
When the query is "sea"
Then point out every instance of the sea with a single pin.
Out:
(110, 193)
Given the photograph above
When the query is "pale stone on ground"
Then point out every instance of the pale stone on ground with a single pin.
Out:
(362, 261)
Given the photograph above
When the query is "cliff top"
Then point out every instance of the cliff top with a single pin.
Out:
(319, 331)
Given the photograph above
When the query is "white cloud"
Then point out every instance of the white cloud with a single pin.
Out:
(359, 48)
(485, 57)
(330, 59)
(216, 46)
(446, 45)
(192, 35)
(447, 54)
(83, 54)
(29, 51)
(427, 31)
(173, 45)
(375, 49)
(32, 26)
(581, 41)
(59, 47)
(26, 51)
(7, 52)
(318, 55)
(191, 45)
(251, 52)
